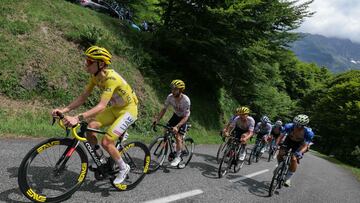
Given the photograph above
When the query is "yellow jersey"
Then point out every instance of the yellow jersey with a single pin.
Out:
(115, 88)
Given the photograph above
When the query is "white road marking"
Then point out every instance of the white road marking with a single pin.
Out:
(176, 197)
(249, 176)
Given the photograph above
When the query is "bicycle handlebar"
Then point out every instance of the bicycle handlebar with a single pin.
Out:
(73, 129)
(164, 126)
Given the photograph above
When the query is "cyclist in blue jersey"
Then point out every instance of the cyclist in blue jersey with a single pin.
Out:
(298, 138)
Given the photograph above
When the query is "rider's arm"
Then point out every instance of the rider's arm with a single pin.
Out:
(303, 148)
(278, 140)
(248, 134)
(96, 109)
(160, 115)
(183, 121)
(78, 101)
(106, 95)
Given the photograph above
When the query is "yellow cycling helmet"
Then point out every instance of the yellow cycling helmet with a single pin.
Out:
(178, 84)
(242, 110)
(99, 53)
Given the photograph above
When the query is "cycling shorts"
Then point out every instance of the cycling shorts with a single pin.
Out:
(238, 132)
(118, 118)
(292, 144)
(174, 120)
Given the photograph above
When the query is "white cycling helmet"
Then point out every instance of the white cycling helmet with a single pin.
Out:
(265, 119)
(301, 119)
(278, 123)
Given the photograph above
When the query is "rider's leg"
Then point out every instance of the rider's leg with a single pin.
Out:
(179, 143)
(178, 149)
(125, 117)
(91, 136)
(292, 169)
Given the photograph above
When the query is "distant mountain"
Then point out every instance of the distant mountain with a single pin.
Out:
(338, 55)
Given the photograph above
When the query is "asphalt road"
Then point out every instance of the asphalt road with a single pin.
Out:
(316, 180)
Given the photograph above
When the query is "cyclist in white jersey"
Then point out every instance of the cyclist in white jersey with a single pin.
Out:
(181, 105)
(243, 127)
(263, 130)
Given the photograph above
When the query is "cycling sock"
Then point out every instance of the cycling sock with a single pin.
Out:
(121, 164)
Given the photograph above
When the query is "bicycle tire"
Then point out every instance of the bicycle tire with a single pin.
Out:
(252, 155)
(158, 152)
(271, 151)
(46, 174)
(221, 149)
(187, 152)
(139, 164)
(225, 163)
(275, 181)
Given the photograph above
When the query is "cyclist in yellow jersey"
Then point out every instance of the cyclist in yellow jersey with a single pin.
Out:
(120, 114)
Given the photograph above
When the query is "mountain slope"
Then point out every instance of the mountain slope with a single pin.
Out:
(338, 55)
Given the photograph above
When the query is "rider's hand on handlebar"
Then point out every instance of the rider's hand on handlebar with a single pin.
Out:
(53, 112)
(175, 129)
(298, 155)
(71, 121)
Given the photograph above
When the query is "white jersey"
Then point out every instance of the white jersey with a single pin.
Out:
(181, 107)
(249, 124)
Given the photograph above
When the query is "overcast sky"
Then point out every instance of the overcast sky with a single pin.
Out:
(334, 18)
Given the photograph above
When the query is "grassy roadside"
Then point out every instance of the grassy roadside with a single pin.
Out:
(354, 170)
(24, 119)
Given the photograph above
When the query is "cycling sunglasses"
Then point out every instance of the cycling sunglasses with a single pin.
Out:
(89, 62)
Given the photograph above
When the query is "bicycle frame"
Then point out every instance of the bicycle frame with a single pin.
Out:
(80, 137)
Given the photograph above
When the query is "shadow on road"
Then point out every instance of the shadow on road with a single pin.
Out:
(260, 189)
(207, 170)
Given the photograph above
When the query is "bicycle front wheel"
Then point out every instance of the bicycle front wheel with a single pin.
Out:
(276, 179)
(226, 162)
(220, 151)
(137, 156)
(52, 171)
(158, 151)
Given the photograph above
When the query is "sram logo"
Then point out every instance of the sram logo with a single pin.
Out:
(35, 196)
(47, 145)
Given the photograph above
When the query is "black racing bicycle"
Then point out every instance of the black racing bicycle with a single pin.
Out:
(231, 157)
(163, 147)
(281, 171)
(55, 168)
(256, 153)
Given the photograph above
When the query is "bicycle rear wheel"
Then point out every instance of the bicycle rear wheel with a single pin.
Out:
(52, 171)
(137, 156)
(158, 152)
(187, 152)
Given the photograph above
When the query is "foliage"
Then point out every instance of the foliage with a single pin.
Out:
(335, 112)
